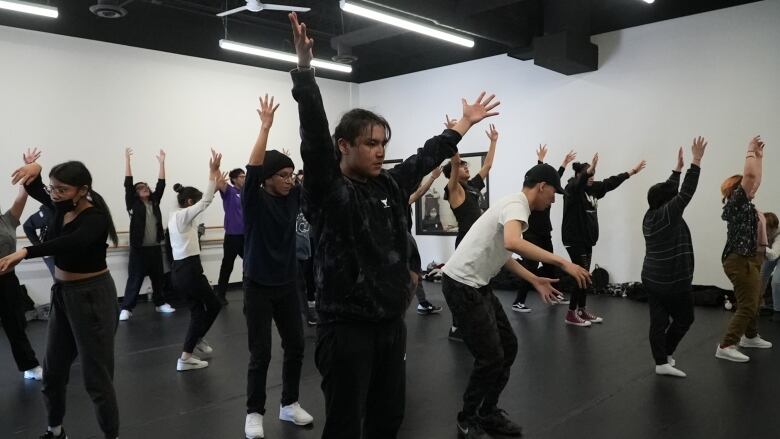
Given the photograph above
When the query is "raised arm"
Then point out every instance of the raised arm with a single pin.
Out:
(250, 197)
(677, 205)
(570, 157)
(208, 195)
(423, 189)
(455, 191)
(18, 207)
(159, 188)
(130, 194)
(30, 176)
(600, 188)
(492, 134)
(752, 173)
(317, 149)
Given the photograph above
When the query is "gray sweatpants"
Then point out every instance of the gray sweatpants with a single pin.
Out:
(82, 321)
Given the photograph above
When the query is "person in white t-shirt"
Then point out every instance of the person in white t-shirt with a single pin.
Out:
(487, 247)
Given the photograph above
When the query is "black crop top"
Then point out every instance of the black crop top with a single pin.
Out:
(77, 247)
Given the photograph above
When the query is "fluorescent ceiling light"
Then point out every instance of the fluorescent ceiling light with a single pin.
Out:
(281, 56)
(29, 8)
(405, 24)
(649, 1)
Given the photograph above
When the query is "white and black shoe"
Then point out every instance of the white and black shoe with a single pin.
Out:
(520, 307)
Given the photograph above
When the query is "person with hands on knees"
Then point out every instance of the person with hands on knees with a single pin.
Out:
(743, 255)
(465, 195)
(187, 271)
(667, 271)
(11, 314)
(580, 228)
(84, 311)
(363, 257)
(488, 335)
(146, 238)
(539, 233)
(271, 203)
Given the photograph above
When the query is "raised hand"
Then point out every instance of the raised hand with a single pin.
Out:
(450, 123)
(161, 157)
(26, 173)
(593, 163)
(303, 44)
(570, 157)
(680, 160)
(31, 156)
(492, 133)
(128, 154)
(286, 152)
(214, 163)
(541, 153)
(698, 148)
(222, 181)
(480, 109)
(757, 146)
(266, 111)
(638, 168)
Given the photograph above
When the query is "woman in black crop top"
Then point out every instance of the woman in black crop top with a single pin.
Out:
(84, 310)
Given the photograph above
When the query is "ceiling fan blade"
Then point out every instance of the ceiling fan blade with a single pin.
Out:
(285, 8)
(232, 11)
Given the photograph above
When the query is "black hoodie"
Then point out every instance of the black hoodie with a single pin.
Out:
(580, 218)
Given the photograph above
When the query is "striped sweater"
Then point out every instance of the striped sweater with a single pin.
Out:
(668, 264)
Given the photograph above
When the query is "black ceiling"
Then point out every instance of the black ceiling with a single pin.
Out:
(191, 27)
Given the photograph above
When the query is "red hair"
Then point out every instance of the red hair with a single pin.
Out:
(729, 186)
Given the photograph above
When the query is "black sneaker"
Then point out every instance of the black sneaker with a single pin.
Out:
(427, 308)
(471, 430)
(455, 335)
(50, 435)
(498, 423)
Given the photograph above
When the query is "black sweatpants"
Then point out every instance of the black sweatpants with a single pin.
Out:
(144, 261)
(189, 281)
(490, 339)
(545, 270)
(363, 368)
(232, 246)
(82, 321)
(581, 256)
(665, 336)
(14, 322)
(261, 305)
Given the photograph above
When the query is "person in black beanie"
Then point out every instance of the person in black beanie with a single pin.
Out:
(667, 271)
(358, 212)
(539, 233)
(580, 229)
(271, 203)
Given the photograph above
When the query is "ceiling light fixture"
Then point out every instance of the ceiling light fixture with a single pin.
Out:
(352, 8)
(649, 1)
(281, 56)
(29, 8)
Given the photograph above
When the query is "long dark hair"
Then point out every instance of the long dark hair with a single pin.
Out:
(74, 173)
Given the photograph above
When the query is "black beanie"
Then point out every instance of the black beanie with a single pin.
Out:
(660, 194)
(274, 162)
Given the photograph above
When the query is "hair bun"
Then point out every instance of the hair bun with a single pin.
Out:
(177, 187)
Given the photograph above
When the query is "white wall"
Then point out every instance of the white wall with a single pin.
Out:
(657, 87)
(88, 100)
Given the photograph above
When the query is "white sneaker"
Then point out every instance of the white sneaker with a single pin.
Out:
(204, 347)
(253, 427)
(731, 353)
(295, 414)
(191, 363)
(165, 308)
(668, 369)
(755, 342)
(125, 315)
(36, 373)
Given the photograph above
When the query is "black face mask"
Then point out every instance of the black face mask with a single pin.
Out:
(65, 206)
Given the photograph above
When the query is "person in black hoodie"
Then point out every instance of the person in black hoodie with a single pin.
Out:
(358, 212)
(146, 237)
(35, 230)
(580, 229)
(539, 233)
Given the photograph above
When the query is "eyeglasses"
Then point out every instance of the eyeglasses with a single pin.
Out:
(59, 190)
(286, 177)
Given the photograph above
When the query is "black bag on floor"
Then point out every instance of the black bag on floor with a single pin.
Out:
(506, 280)
(636, 291)
(709, 295)
(600, 280)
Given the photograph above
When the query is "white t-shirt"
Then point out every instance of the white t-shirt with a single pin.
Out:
(481, 254)
(183, 228)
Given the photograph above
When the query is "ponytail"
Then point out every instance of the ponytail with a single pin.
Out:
(100, 203)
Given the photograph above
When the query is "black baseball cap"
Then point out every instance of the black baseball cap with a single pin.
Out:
(544, 173)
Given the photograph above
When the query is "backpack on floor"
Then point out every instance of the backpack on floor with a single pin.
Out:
(599, 279)
(709, 295)
(636, 291)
